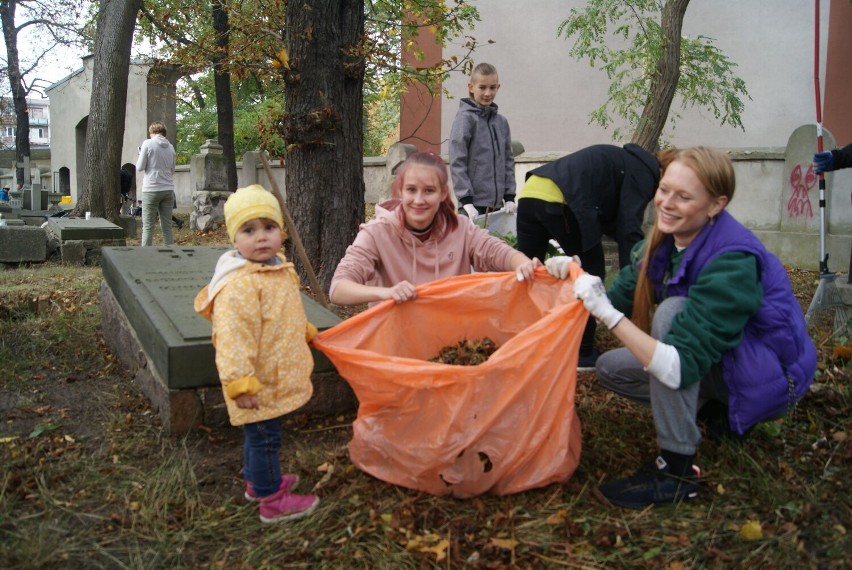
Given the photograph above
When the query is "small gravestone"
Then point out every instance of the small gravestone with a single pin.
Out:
(80, 241)
(19, 243)
(150, 292)
(81, 229)
(800, 184)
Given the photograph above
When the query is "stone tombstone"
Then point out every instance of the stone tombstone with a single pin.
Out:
(67, 228)
(156, 288)
(20, 244)
(151, 326)
(249, 170)
(397, 153)
(207, 168)
(800, 188)
(79, 241)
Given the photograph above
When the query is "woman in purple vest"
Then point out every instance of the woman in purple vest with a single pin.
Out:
(714, 327)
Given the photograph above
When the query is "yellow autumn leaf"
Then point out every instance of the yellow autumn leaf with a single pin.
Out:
(282, 59)
(505, 543)
(429, 543)
(751, 530)
(8, 439)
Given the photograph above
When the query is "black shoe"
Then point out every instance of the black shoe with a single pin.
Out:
(651, 485)
(586, 363)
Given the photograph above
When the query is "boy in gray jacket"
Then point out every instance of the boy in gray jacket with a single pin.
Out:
(481, 161)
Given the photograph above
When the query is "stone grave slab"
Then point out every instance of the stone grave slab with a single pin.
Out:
(81, 229)
(20, 243)
(156, 287)
(155, 333)
(33, 217)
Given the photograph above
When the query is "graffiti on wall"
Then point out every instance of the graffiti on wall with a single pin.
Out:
(799, 204)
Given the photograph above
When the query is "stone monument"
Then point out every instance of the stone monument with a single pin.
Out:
(150, 324)
(207, 168)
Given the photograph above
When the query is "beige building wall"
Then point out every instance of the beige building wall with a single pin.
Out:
(147, 100)
(547, 95)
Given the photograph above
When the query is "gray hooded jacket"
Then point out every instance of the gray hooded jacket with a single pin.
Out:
(481, 161)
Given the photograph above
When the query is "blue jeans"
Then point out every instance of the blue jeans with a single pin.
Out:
(154, 204)
(261, 446)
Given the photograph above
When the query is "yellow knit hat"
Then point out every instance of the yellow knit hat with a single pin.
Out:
(249, 203)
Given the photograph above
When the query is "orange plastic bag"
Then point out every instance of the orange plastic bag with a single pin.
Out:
(503, 426)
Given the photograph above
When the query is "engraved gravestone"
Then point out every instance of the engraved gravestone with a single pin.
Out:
(156, 288)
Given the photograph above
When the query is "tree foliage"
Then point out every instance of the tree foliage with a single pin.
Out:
(627, 40)
(257, 58)
(329, 60)
(255, 116)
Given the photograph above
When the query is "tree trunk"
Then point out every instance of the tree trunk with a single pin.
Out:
(322, 128)
(107, 109)
(222, 86)
(19, 93)
(664, 80)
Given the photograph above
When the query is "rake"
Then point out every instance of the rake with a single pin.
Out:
(827, 295)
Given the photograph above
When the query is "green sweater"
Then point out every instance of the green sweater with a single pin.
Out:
(720, 303)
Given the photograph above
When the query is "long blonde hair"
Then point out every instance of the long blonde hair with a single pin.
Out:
(716, 173)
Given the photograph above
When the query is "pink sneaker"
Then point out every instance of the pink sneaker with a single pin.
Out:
(288, 481)
(284, 506)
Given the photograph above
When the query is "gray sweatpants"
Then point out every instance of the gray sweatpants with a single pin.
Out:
(157, 204)
(674, 410)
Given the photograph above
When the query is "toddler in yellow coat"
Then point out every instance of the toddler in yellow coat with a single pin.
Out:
(260, 333)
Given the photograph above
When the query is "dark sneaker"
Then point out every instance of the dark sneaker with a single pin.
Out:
(651, 485)
(586, 363)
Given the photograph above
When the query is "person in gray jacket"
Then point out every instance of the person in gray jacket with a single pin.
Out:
(481, 162)
(157, 159)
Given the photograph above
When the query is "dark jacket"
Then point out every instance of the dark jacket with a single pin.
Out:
(774, 364)
(126, 182)
(481, 161)
(607, 189)
(842, 157)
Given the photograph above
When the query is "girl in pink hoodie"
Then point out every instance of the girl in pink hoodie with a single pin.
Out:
(417, 237)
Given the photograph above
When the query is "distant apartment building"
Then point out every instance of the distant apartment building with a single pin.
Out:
(39, 111)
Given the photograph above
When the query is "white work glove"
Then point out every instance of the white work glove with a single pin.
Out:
(560, 265)
(471, 211)
(590, 289)
(510, 207)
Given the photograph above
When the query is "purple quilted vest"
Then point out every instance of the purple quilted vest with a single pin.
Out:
(775, 362)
